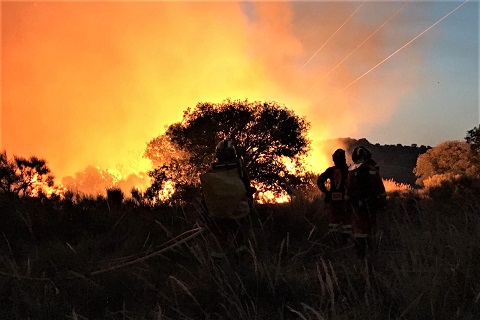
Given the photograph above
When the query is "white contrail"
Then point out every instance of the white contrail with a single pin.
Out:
(406, 44)
(333, 35)
(361, 44)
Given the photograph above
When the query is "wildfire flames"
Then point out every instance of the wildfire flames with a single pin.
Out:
(119, 72)
(94, 180)
(38, 188)
(271, 197)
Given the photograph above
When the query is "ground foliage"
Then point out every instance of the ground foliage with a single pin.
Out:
(90, 258)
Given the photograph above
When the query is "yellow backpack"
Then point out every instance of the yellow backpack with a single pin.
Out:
(225, 194)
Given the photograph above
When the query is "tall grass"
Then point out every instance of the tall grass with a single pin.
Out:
(66, 260)
(394, 186)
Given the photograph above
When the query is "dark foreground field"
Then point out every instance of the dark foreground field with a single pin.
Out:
(84, 259)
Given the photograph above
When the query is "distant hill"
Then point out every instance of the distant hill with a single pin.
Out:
(396, 161)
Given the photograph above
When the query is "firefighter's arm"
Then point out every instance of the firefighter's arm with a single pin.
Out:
(322, 178)
(321, 185)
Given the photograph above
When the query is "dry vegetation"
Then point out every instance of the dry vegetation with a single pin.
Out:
(81, 258)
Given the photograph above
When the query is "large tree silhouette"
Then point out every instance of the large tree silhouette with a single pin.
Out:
(270, 138)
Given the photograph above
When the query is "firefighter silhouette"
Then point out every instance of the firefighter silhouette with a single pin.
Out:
(228, 198)
(366, 193)
(339, 214)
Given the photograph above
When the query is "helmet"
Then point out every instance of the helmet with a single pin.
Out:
(361, 153)
(225, 150)
(339, 156)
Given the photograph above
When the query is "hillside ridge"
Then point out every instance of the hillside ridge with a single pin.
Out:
(396, 161)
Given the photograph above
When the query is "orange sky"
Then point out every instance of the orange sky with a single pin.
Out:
(91, 83)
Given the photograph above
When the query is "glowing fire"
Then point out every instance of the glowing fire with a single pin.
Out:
(38, 188)
(167, 191)
(271, 197)
(96, 181)
(105, 77)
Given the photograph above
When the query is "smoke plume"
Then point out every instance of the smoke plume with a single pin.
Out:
(88, 84)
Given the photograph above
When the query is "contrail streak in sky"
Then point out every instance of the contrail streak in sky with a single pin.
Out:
(406, 44)
(333, 35)
(361, 44)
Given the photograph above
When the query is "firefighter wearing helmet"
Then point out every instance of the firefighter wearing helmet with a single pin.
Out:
(366, 193)
(225, 151)
(227, 158)
(228, 200)
(338, 213)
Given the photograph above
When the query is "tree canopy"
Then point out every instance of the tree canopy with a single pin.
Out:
(270, 138)
(20, 175)
(473, 138)
(448, 158)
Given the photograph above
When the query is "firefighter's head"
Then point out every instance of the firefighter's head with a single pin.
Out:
(361, 154)
(339, 157)
(225, 151)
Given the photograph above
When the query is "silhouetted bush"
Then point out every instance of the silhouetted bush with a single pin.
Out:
(115, 197)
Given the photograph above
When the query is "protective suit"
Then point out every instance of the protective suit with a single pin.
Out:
(339, 214)
(366, 193)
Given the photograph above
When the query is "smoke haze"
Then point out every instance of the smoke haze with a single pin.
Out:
(90, 83)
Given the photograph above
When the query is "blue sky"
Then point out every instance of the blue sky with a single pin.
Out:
(440, 68)
(446, 104)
